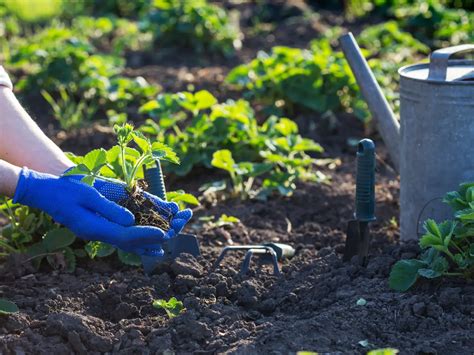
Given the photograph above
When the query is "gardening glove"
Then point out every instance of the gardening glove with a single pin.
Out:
(170, 210)
(86, 212)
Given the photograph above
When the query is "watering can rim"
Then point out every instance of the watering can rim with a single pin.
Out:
(403, 72)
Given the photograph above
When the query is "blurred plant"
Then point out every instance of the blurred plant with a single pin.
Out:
(242, 174)
(114, 35)
(449, 246)
(290, 78)
(41, 11)
(68, 112)
(25, 226)
(194, 24)
(223, 221)
(228, 136)
(57, 57)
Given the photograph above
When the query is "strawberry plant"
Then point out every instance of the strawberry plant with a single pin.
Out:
(172, 307)
(448, 247)
(193, 24)
(124, 163)
(57, 57)
(227, 136)
(25, 226)
(242, 174)
(316, 79)
(121, 161)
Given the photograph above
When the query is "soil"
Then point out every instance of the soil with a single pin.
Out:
(106, 307)
(145, 211)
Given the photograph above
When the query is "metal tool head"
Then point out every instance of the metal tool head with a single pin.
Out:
(268, 252)
(182, 243)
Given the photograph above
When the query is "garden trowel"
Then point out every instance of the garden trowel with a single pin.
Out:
(182, 243)
(358, 233)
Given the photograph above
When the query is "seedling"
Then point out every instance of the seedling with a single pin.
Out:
(449, 250)
(7, 307)
(173, 307)
(122, 161)
(223, 221)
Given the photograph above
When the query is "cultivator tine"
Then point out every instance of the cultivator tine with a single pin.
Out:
(272, 251)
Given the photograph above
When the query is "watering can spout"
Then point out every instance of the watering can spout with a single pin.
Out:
(388, 125)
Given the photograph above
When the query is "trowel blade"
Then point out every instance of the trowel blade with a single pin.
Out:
(352, 240)
(183, 243)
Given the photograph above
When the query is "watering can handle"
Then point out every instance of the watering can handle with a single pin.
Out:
(439, 60)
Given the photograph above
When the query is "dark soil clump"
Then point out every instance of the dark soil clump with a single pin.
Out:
(145, 211)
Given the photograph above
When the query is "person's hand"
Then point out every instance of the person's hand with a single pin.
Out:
(86, 212)
(116, 192)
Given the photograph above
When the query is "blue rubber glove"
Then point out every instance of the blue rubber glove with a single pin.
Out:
(169, 210)
(87, 213)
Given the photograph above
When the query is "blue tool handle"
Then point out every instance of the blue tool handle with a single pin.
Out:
(154, 179)
(365, 181)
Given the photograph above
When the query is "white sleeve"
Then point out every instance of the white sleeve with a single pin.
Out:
(5, 79)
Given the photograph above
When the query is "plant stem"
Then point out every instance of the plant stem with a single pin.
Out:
(124, 164)
(453, 274)
(7, 246)
(135, 170)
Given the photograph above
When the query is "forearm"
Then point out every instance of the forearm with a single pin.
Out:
(22, 143)
(8, 178)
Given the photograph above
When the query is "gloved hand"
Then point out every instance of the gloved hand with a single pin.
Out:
(86, 212)
(169, 210)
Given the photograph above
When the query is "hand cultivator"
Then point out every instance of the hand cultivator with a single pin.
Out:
(268, 252)
(182, 243)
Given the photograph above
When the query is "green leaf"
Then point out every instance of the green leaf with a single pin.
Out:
(429, 240)
(286, 126)
(70, 258)
(142, 142)
(385, 351)
(222, 159)
(149, 106)
(162, 151)
(88, 180)
(57, 239)
(36, 251)
(204, 99)
(129, 258)
(173, 307)
(181, 198)
(7, 307)
(95, 159)
(404, 274)
(80, 169)
(429, 273)
(432, 227)
(99, 249)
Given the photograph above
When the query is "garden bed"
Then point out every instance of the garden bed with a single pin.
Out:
(313, 305)
(318, 303)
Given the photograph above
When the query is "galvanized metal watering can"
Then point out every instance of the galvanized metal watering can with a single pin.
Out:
(433, 148)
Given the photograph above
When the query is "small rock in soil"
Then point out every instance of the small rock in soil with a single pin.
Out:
(450, 296)
(186, 264)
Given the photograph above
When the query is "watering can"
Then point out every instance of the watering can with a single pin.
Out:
(432, 146)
